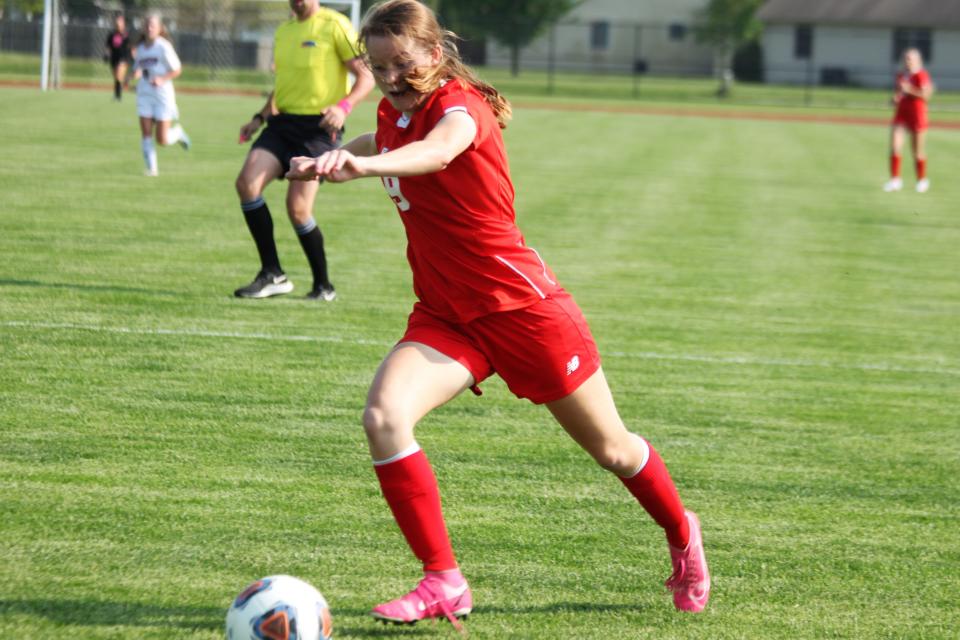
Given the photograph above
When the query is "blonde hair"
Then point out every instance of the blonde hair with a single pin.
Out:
(410, 18)
(163, 28)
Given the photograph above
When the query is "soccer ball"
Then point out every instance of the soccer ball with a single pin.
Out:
(279, 608)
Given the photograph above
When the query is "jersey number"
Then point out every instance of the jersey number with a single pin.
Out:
(392, 185)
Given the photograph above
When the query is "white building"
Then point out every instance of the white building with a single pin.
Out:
(858, 42)
(620, 36)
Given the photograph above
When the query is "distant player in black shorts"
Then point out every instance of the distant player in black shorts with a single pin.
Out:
(313, 53)
(119, 54)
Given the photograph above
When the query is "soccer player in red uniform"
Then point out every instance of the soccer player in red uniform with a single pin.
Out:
(486, 303)
(911, 94)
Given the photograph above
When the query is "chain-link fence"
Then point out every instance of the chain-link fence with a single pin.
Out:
(665, 61)
(218, 41)
(229, 42)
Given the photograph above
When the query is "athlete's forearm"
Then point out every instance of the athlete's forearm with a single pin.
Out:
(362, 146)
(414, 159)
(361, 86)
(448, 139)
(267, 109)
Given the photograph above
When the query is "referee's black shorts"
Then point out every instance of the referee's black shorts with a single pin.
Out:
(288, 136)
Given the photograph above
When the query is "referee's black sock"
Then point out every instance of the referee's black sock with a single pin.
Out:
(311, 239)
(261, 228)
(117, 89)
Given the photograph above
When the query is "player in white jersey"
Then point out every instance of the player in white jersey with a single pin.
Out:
(157, 64)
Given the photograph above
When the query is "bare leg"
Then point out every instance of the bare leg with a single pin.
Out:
(163, 126)
(590, 416)
(146, 127)
(413, 380)
(918, 142)
(259, 169)
(300, 199)
(897, 137)
(920, 145)
(119, 77)
(147, 146)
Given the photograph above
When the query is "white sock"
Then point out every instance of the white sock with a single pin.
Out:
(174, 134)
(409, 451)
(149, 154)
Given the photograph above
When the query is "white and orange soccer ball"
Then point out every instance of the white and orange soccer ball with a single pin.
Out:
(279, 608)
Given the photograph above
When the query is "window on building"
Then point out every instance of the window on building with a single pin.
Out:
(678, 31)
(904, 39)
(803, 42)
(599, 36)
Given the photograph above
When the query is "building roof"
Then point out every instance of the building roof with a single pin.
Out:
(941, 14)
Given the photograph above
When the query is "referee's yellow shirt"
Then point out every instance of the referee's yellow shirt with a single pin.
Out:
(308, 57)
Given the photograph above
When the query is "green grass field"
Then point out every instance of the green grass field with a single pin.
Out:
(786, 334)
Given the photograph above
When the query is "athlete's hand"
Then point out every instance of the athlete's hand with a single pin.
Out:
(333, 118)
(335, 166)
(302, 168)
(247, 130)
(158, 81)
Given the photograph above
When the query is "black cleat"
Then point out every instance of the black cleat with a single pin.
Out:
(324, 292)
(265, 285)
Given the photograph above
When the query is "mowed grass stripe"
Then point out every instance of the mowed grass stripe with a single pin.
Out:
(646, 355)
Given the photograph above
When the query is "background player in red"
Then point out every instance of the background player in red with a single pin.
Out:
(911, 94)
(486, 303)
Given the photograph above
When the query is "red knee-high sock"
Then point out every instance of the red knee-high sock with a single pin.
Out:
(654, 489)
(894, 166)
(921, 168)
(410, 489)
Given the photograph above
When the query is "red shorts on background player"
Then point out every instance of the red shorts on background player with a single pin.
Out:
(912, 91)
(486, 303)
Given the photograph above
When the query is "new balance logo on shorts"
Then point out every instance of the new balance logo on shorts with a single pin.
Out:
(573, 365)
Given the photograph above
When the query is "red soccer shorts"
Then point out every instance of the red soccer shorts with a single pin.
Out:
(913, 120)
(543, 352)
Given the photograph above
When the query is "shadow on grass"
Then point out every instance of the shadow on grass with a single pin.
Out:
(135, 614)
(559, 607)
(82, 287)
(377, 629)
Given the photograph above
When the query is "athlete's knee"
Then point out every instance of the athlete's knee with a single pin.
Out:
(245, 188)
(381, 422)
(299, 209)
(622, 456)
(301, 219)
(612, 459)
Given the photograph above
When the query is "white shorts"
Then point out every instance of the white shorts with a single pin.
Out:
(156, 107)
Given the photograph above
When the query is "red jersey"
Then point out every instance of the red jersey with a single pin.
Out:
(910, 107)
(468, 257)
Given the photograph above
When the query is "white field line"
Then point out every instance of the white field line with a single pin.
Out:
(201, 333)
(641, 355)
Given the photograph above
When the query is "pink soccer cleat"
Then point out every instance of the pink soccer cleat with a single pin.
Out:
(690, 581)
(439, 595)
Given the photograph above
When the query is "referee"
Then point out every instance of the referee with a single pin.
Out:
(313, 53)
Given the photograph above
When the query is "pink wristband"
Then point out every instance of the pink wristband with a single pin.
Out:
(346, 106)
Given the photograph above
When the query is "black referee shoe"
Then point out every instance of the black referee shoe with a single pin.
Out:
(265, 285)
(324, 292)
